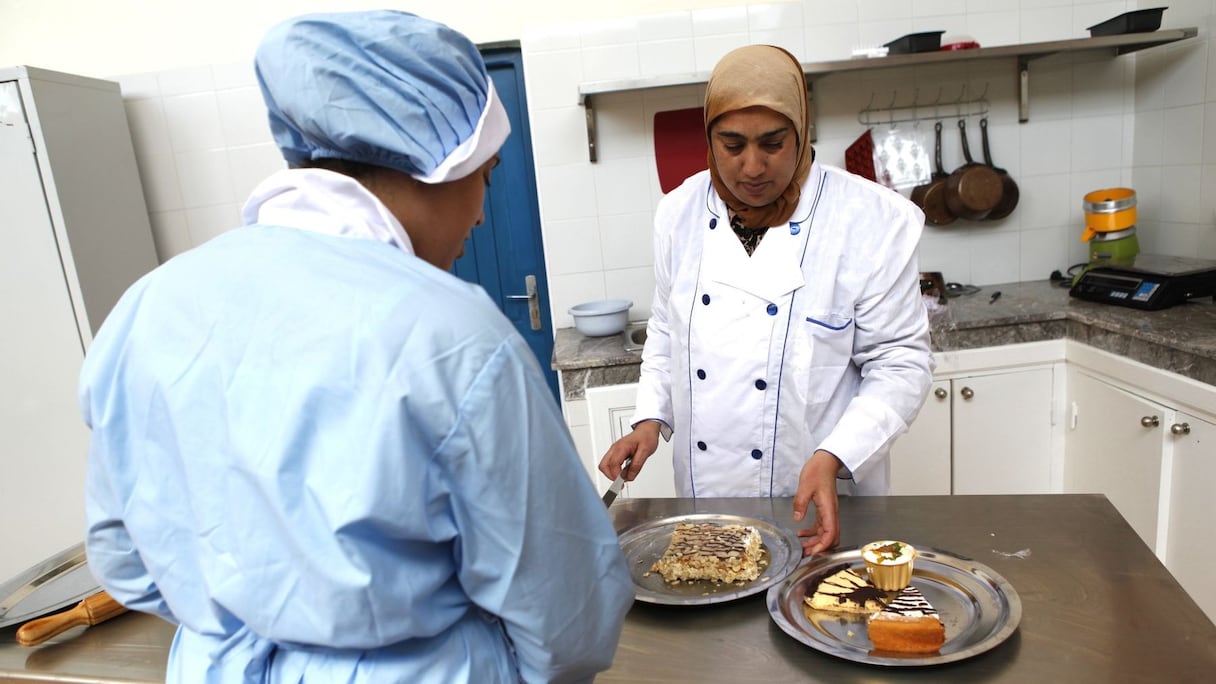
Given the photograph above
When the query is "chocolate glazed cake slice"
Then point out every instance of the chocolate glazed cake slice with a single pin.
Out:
(844, 591)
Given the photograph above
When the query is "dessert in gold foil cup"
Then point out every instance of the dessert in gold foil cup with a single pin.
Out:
(889, 563)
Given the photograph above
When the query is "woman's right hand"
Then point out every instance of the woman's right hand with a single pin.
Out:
(638, 445)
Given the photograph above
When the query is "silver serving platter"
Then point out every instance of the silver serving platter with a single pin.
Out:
(979, 608)
(646, 542)
(60, 580)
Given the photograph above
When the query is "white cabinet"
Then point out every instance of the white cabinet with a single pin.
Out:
(920, 458)
(980, 433)
(610, 409)
(976, 434)
(1115, 448)
(1191, 538)
(1146, 438)
(74, 234)
(1002, 432)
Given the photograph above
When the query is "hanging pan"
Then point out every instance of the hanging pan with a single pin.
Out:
(1009, 188)
(931, 196)
(974, 189)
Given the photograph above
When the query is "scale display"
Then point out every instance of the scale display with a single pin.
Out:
(1148, 282)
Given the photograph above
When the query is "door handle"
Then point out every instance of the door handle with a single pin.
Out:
(533, 300)
(967, 393)
(1150, 421)
(1181, 428)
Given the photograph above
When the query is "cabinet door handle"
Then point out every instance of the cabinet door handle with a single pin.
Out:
(940, 393)
(1150, 421)
(1180, 429)
(967, 392)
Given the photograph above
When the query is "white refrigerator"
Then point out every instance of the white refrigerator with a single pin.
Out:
(74, 234)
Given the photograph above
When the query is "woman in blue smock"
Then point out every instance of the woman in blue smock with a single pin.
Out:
(316, 451)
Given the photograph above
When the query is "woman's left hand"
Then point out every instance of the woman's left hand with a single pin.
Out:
(817, 484)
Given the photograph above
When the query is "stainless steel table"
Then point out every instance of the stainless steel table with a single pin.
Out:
(1097, 606)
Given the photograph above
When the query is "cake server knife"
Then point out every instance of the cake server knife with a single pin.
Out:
(617, 484)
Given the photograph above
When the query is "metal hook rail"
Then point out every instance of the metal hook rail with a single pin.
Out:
(958, 108)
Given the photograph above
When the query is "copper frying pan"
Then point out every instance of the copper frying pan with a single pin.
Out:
(974, 189)
(931, 196)
(1009, 188)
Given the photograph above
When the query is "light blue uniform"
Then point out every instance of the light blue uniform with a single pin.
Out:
(329, 461)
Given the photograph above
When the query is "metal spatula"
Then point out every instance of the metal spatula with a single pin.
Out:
(617, 484)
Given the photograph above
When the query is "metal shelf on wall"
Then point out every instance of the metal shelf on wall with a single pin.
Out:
(1023, 54)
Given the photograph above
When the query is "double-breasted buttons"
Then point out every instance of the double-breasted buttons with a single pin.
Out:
(701, 373)
(702, 446)
(705, 299)
(772, 309)
(713, 223)
(761, 384)
(795, 228)
(757, 454)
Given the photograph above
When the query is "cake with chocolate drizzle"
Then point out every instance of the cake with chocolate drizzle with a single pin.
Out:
(908, 624)
(842, 590)
(709, 551)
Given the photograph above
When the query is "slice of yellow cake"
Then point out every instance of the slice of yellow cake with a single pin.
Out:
(709, 551)
(909, 624)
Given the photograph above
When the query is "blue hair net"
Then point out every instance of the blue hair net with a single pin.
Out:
(380, 87)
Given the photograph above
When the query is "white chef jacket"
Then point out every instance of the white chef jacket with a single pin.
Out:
(329, 461)
(819, 340)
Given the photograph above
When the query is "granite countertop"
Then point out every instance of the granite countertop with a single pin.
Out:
(1181, 339)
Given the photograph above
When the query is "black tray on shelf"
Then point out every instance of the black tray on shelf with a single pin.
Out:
(926, 41)
(1138, 21)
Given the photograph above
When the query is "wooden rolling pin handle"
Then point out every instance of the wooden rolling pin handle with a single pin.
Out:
(93, 610)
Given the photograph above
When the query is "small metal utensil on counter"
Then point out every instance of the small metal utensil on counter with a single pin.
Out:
(617, 485)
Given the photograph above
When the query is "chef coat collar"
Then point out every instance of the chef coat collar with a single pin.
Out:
(324, 202)
(802, 214)
(775, 268)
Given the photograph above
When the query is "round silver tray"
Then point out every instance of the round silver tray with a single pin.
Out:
(645, 543)
(979, 608)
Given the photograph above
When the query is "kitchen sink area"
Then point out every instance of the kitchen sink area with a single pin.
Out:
(635, 336)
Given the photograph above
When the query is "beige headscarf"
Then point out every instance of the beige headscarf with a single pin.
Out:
(767, 76)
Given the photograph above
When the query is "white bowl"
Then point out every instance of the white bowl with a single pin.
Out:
(601, 318)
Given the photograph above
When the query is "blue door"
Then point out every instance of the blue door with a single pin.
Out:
(505, 255)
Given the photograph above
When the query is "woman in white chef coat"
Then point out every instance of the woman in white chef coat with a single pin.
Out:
(314, 449)
(788, 344)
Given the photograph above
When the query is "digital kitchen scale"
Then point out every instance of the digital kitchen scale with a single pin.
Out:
(1148, 281)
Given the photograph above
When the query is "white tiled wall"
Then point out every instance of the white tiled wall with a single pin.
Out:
(203, 143)
(1146, 120)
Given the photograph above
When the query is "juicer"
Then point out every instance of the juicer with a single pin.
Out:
(1110, 226)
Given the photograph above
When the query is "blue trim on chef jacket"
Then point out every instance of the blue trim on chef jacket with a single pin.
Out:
(808, 220)
(829, 326)
(772, 309)
(703, 300)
